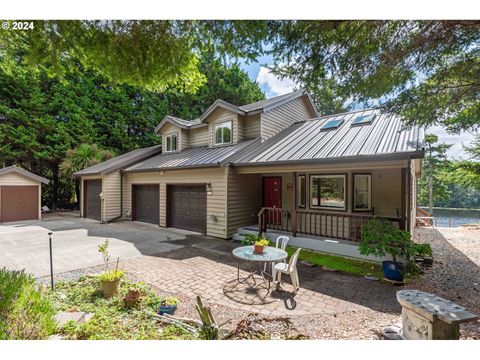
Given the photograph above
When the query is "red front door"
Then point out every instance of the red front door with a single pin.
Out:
(272, 192)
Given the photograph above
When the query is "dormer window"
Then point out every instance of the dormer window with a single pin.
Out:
(223, 133)
(171, 141)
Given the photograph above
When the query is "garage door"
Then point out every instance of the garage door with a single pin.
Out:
(145, 203)
(92, 202)
(19, 203)
(187, 207)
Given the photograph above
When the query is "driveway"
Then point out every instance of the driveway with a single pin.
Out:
(24, 245)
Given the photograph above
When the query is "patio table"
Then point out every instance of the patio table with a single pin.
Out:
(270, 254)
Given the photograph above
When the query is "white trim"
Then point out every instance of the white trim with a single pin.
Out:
(170, 135)
(354, 209)
(222, 124)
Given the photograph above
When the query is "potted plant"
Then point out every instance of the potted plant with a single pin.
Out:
(132, 298)
(380, 238)
(258, 241)
(110, 280)
(168, 306)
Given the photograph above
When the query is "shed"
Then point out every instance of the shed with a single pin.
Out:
(20, 194)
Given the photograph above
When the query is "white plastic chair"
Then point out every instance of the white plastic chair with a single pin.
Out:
(282, 241)
(289, 269)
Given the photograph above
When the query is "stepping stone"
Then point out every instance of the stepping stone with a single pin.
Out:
(79, 317)
(326, 268)
(307, 263)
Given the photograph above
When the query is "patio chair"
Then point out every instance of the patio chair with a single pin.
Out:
(289, 269)
(282, 241)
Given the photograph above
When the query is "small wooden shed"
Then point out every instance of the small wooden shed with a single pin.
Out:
(20, 194)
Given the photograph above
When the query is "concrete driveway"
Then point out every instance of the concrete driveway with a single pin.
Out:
(24, 245)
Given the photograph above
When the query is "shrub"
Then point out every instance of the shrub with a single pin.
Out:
(251, 239)
(26, 312)
(111, 275)
(380, 237)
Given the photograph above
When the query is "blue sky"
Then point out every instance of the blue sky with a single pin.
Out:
(273, 86)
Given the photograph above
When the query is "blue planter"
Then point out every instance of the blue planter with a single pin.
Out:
(167, 309)
(393, 271)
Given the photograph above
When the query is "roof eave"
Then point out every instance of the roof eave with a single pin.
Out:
(223, 104)
(178, 167)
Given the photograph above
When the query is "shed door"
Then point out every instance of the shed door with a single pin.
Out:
(145, 203)
(92, 202)
(187, 207)
(19, 203)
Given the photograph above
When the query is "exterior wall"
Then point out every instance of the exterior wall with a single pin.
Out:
(244, 200)
(182, 136)
(220, 115)
(14, 179)
(112, 196)
(198, 137)
(216, 202)
(251, 126)
(279, 118)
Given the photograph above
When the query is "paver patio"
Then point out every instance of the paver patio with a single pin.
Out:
(212, 274)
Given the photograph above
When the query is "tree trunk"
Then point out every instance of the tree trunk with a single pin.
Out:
(77, 192)
(55, 171)
(430, 185)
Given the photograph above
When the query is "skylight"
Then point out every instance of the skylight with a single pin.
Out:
(363, 119)
(332, 124)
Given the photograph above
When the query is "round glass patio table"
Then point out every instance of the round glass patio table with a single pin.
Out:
(270, 255)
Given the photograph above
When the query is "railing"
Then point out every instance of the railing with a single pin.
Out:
(336, 225)
(424, 218)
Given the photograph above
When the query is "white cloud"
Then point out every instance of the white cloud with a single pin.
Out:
(272, 85)
(456, 151)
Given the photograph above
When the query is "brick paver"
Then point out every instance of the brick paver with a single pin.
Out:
(212, 274)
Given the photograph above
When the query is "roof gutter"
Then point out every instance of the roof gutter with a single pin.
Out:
(180, 167)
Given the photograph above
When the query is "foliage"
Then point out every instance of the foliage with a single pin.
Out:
(169, 301)
(103, 249)
(112, 275)
(425, 70)
(252, 239)
(111, 318)
(26, 312)
(263, 242)
(380, 237)
(351, 266)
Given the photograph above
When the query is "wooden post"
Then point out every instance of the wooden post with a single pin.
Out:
(294, 211)
(403, 195)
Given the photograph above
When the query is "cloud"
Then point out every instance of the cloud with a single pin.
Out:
(456, 151)
(272, 85)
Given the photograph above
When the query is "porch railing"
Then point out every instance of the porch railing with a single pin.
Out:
(335, 225)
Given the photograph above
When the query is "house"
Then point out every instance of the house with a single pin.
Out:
(20, 194)
(274, 165)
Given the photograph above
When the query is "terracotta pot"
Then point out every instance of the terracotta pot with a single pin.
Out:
(258, 249)
(132, 298)
(109, 288)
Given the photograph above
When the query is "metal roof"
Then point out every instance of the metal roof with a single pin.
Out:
(305, 141)
(19, 170)
(191, 158)
(120, 162)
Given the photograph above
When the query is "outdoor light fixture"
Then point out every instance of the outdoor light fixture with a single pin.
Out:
(209, 189)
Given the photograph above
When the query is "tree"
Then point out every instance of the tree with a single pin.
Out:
(155, 55)
(434, 187)
(83, 156)
(426, 71)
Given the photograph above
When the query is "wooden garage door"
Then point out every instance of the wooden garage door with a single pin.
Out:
(145, 203)
(92, 201)
(19, 203)
(187, 207)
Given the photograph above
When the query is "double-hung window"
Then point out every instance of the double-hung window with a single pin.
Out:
(223, 133)
(171, 141)
(328, 191)
(301, 191)
(362, 192)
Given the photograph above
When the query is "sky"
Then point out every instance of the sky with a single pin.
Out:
(273, 86)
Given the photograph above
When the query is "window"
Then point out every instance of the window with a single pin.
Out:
(301, 191)
(363, 120)
(171, 142)
(327, 191)
(223, 133)
(362, 192)
(332, 124)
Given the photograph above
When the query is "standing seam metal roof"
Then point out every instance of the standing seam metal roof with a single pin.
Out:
(305, 141)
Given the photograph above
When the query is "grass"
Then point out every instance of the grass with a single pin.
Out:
(112, 320)
(351, 266)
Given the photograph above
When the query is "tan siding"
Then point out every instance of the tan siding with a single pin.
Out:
(216, 202)
(198, 137)
(16, 180)
(281, 117)
(386, 191)
(182, 136)
(244, 200)
(112, 196)
(251, 126)
(221, 115)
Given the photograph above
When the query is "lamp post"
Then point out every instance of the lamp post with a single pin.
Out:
(51, 259)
